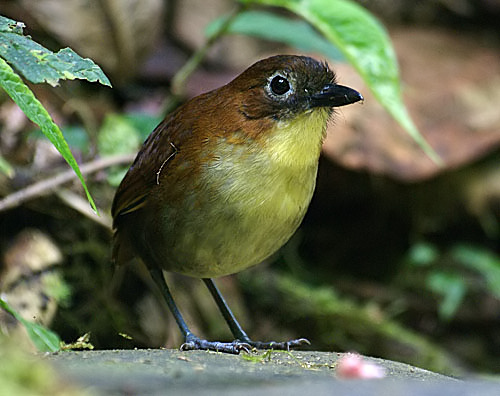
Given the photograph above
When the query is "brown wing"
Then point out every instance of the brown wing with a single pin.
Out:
(158, 149)
(132, 193)
(172, 138)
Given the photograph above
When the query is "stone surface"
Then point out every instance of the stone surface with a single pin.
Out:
(154, 372)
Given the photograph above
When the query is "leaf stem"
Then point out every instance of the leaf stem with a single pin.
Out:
(47, 186)
(178, 86)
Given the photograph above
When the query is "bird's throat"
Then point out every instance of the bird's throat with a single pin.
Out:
(297, 142)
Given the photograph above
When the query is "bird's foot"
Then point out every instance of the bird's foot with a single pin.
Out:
(194, 343)
(282, 346)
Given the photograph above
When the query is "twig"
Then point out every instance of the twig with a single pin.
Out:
(178, 85)
(47, 186)
(82, 206)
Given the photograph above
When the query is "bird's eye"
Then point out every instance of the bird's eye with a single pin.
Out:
(279, 85)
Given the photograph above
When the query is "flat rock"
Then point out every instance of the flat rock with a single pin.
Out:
(159, 371)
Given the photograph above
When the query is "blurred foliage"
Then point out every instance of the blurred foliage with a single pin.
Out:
(122, 134)
(456, 271)
(23, 374)
(266, 25)
(117, 136)
(403, 300)
(6, 168)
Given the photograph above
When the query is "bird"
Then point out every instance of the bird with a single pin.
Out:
(225, 180)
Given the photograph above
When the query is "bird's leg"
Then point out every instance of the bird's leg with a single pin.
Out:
(238, 332)
(191, 341)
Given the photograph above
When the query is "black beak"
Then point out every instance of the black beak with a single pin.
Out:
(333, 95)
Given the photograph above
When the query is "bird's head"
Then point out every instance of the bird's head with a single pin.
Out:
(285, 86)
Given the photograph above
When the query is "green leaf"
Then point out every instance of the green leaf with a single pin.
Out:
(452, 287)
(422, 254)
(366, 45)
(76, 136)
(117, 136)
(6, 168)
(38, 64)
(268, 26)
(143, 123)
(44, 339)
(10, 26)
(34, 110)
(483, 261)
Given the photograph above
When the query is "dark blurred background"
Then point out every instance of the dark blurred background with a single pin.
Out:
(396, 258)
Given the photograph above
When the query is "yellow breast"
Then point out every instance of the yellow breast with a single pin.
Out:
(255, 198)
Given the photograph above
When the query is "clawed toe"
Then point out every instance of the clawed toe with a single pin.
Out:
(235, 347)
(298, 342)
(283, 346)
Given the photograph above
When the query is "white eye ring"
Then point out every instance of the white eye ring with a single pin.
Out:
(279, 86)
